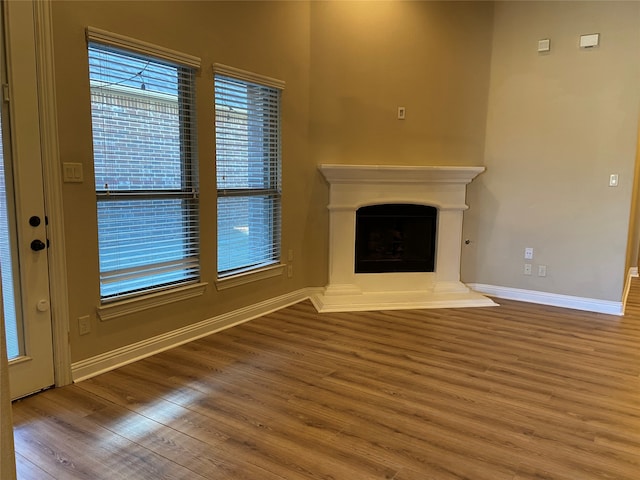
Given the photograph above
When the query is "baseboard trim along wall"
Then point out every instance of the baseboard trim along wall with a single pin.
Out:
(633, 272)
(105, 362)
(553, 299)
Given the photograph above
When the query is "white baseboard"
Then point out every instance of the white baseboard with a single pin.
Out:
(633, 272)
(105, 362)
(554, 299)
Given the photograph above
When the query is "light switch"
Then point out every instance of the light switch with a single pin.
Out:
(72, 172)
(613, 180)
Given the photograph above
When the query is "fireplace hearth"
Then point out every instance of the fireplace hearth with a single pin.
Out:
(364, 266)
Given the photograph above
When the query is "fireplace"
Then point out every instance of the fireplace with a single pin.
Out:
(364, 266)
(395, 238)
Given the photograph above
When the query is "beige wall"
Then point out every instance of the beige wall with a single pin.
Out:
(268, 38)
(368, 58)
(558, 124)
(347, 67)
(550, 129)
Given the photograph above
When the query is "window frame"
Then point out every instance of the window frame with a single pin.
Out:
(272, 189)
(128, 302)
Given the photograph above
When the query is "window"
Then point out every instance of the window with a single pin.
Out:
(247, 112)
(143, 119)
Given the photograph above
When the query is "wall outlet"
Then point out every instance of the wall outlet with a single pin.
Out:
(589, 41)
(84, 325)
(542, 270)
(528, 253)
(289, 270)
(527, 269)
(544, 45)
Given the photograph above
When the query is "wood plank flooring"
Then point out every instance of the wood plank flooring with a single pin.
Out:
(516, 392)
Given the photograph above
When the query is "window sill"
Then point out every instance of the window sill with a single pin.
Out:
(248, 277)
(138, 304)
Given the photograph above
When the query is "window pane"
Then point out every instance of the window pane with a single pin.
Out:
(248, 174)
(144, 156)
(247, 135)
(148, 141)
(8, 292)
(146, 243)
(248, 231)
(136, 129)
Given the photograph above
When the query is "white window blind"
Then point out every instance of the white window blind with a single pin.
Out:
(144, 138)
(248, 173)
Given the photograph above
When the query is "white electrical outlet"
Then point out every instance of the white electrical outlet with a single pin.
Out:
(589, 41)
(527, 269)
(528, 253)
(84, 325)
(542, 270)
(544, 45)
(401, 113)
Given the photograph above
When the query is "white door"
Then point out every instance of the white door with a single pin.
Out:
(23, 240)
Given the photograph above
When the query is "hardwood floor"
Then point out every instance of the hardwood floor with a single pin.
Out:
(516, 392)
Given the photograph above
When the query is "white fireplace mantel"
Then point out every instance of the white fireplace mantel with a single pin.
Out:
(390, 174)
(355, 186)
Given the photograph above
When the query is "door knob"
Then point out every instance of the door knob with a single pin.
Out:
(38, 245)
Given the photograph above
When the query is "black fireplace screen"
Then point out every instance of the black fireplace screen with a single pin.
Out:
(395, 238)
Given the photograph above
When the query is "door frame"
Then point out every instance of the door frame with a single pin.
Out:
(51, 171)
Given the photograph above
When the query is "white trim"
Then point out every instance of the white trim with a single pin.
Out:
(122, 356)
(355, 186)
(434, 203)
(109, 311)
(227, 71)
(121, 41)
(633, 272)
(53, 191)
(243, 278)
(553, 299)
(344, 299)
(398, 174)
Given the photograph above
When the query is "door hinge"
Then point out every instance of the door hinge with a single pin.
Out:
(5, 93)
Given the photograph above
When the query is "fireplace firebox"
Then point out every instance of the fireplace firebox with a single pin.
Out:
(395, 238)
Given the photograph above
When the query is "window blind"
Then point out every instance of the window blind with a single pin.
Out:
(248, 163)
(145, 162)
